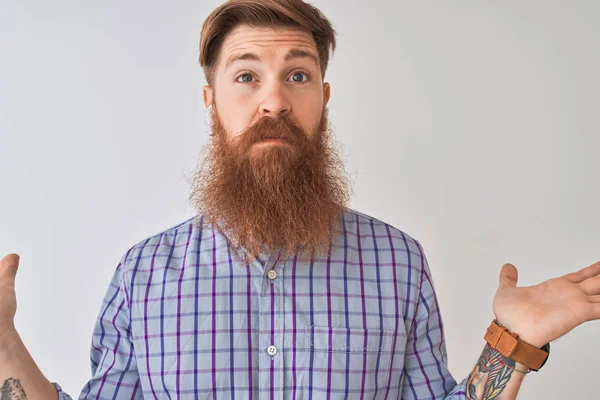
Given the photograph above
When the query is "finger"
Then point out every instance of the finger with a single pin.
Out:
(8, 267)
(508, 276)
(583, 274)
(594, 298)
(595, 312)
(591, 286)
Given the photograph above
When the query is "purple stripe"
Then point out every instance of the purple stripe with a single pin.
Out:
(231, 325)
(376, 236)
(334, 312)
(346, 307)
(123, 275)
(162, 315)
(406, 304)
(423, 261)
(329, 323)
(205, 331)
(242, 276)
(437, 362)
(105, 376)
(177, 379)
(409, 281)
(103, 355)
(333, 262)
(249, 331)
(415, 351)
(214, 319)
(133, 276)
(338, 331)
(131, 355)
(227, 294)
(196, 290)
(312, 334)
(146, 314)
(396, 300)
(380, 311)
(135, 389)
(294, 329)
(364, 307)
(335, 231)
(102, 319)
(440, 323)
(355, 371)
(272, 363)
(120, 383)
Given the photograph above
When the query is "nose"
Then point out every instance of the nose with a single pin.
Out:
(275, 103)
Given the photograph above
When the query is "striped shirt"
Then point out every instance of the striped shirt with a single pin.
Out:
(182, 319)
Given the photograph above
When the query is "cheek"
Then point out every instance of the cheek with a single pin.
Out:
(235, 110)
(235, 121)
(311, 121)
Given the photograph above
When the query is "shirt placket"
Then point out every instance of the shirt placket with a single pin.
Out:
(271, 331)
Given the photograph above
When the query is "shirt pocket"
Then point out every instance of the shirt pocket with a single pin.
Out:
(348, 360)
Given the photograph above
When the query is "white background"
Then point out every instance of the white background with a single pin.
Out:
(473, 126)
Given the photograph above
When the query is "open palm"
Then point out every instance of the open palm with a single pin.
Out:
(544, 312)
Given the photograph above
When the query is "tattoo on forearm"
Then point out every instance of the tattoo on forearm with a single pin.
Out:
(12, 390)
(490, 376)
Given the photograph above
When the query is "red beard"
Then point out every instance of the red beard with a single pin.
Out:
(266, 196)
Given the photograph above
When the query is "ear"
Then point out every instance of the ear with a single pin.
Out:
(326, 92)
(207, 94)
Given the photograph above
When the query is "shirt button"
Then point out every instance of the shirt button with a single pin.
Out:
(271, 350)
(272, 274)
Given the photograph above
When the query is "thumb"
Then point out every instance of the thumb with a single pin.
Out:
(508, 276)
(8, 268)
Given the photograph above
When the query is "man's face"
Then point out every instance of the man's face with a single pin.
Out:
(271, 176)
(265, 72)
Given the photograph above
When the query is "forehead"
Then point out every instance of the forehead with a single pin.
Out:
(266, 40)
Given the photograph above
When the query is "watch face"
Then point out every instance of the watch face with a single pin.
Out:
(546, 348)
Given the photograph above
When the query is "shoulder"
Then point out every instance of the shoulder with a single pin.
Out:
(363, 226)
(375, 240)
(398, 254)
(159, 244)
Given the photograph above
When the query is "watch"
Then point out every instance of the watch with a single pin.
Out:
(511, 346)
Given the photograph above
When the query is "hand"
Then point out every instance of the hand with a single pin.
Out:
(8, 298)
(542, 313)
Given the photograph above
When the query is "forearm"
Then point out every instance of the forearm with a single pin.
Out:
(20, 377)
(494, 377)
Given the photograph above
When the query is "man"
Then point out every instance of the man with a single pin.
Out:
(276, 289)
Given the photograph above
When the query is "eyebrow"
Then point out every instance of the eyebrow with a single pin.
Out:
(292, 54)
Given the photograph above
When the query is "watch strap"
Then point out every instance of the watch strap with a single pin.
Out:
(511, 346)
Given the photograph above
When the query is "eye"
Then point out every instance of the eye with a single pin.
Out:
(297, 77)
(246, 77)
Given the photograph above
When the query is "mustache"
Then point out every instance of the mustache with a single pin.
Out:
(284, 128)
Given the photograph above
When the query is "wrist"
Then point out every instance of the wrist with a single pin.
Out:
(8, 341)
(522, 367)
(524, 335)
(515, 347)
(532, 341)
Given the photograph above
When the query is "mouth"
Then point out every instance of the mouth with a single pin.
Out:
(273, 141)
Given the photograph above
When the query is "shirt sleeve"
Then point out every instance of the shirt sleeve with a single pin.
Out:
(113, 362)
(426, 360)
